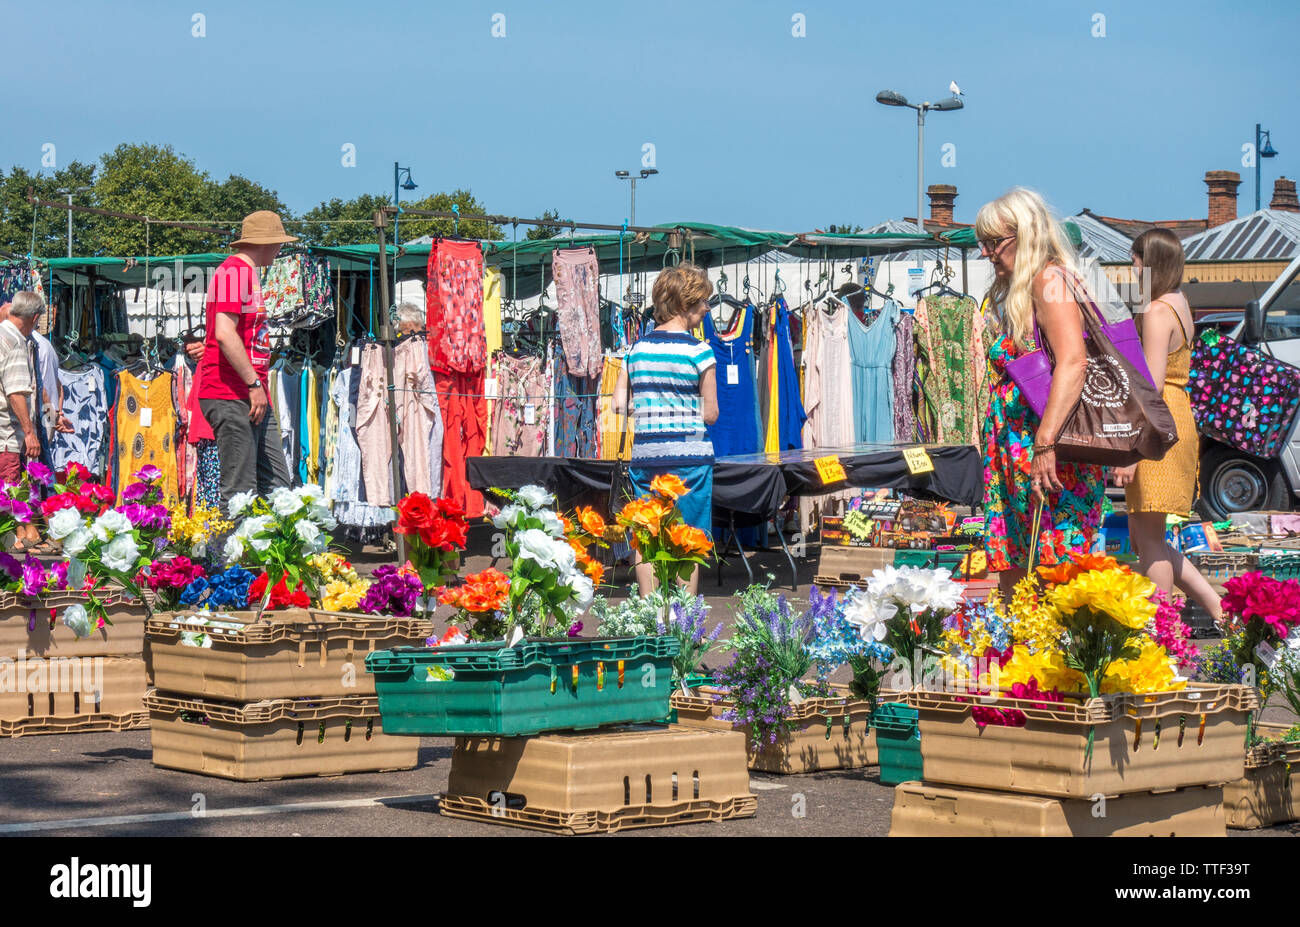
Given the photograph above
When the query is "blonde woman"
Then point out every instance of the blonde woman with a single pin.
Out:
(1156, 488)
(1031, 296)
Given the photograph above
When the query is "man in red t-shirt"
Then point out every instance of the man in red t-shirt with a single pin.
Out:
(232, 376)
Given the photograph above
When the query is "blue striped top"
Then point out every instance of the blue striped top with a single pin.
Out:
(664, 371)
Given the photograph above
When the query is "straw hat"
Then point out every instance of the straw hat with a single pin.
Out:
(263, 228)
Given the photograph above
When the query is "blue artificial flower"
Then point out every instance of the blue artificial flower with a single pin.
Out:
(194, 592)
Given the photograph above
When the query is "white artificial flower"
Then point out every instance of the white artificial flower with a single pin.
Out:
(75, 617)
(535, 497)
(923, 589)
(538, 546)
(253, 525)
(507, 515)
(234, 548)
(583, 590)
(121, 553)
(260, 545)
(870, 614)
(63, 522)
(76, 574)
(240, 502)
(75, 544)
(307, 530)
(566, 560)
(285, 502)
(310, 494)
(551, 523)
(324, 518)
(109, 525)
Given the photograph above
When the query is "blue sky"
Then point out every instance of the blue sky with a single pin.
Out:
(751, 125)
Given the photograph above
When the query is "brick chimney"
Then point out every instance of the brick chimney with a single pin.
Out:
(1223, 196)
(1284, 197)
(942, 196)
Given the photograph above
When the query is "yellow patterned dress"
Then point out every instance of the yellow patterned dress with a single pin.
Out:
(146, 429)
(1169, 485)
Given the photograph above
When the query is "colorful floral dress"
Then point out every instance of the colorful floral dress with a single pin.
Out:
(1070, 518)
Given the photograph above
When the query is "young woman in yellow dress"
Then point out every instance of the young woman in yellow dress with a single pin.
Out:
(1154, 489)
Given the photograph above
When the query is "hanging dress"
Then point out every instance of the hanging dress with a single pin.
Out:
(146, 430)
(737, 429)
(872, 348)
(85, 404)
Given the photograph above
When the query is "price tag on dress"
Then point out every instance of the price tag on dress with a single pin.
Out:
(146, 417)
(733, 374)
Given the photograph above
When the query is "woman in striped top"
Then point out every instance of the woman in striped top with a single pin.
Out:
(670, 377)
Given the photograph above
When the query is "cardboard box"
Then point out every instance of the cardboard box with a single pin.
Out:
(929, 810)
(830, 733)
(1269, 792)
(275, 739)
(36, 627)
(289, 654)
(638, 776)
(69, 694)
(1142, 743)
(852, 564)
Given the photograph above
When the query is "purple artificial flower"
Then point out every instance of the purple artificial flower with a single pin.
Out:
(148, 473)
(10, 565)
(575, 629)
(22, 511)
(135, 513)
(39, 472)
(34, 577)
(59, 574)
(158, 518)
(135, 492)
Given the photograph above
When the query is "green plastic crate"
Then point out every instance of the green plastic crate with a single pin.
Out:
(898, 740)
(491, 689)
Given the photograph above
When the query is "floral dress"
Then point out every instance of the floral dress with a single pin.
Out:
(1070, 518)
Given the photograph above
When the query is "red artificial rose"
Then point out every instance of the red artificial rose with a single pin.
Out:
(414, 512)
(257, 590)
(450, 508)
(64, 500)
(87, 506)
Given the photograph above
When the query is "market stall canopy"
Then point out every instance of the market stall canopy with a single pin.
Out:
(526, 263)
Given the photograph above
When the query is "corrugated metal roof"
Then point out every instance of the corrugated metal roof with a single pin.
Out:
(1266, 235)
(1101, 242)
(899, 227)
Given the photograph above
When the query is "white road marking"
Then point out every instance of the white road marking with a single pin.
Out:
(250, 810)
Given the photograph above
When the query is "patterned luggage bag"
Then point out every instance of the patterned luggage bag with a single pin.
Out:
(1241, 396)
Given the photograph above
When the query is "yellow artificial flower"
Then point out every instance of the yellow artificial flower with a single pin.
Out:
(1028, 621)
(332, 566)
(1123, 596)
(1046, 666)
(1151, 671)
(339, 596)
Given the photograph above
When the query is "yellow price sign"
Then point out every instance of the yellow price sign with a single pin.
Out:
(918, 461)
(830, 470)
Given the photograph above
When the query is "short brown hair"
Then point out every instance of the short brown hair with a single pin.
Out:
(678, 289)
(1162, 252)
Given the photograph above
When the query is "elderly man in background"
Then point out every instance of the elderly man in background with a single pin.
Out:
(18, 437)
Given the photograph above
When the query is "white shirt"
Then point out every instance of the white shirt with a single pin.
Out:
(47, 369)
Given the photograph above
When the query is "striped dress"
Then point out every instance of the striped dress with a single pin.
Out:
(664, 371)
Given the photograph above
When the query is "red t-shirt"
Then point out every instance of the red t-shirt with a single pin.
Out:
(235, 287)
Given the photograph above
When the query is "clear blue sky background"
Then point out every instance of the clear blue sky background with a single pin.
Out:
(751, 125)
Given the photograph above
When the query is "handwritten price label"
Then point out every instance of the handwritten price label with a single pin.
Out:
(830, 470)
(918, 461)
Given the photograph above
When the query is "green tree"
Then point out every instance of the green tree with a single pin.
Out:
(342, 222)
(541, 232)
(415, 227)
(843, 229)
(236, 198)
(51, 224)
(152, 180)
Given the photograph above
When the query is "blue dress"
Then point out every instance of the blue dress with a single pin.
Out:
(871, 349)
(737, 429)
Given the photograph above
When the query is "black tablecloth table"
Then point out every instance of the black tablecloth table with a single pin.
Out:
(755, 486)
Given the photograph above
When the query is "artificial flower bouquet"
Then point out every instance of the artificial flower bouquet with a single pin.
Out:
(549, 582)
(191, 534)
(78, 491)
(435, 533)
(279, 535)
(114, 546)
(673, 548)
(341, 589)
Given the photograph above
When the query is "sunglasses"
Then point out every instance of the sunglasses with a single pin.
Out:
(992, 244)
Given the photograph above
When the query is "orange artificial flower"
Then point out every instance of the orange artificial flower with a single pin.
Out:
(579, 549)
(690, 540)
(644, 513)
(595, 570)
(1060, 574)
(669, 485)
(1068, 570)
(568, 525)
(591, 522)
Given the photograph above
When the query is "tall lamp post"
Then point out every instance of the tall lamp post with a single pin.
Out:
(71, 190)
(890, 98)
(626, 175)
(1261, 151)
(408, 184)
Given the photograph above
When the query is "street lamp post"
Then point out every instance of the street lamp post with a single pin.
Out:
(890, 98)
(627, 175)
(1261, 151)
(71, 190)
(408, 185)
